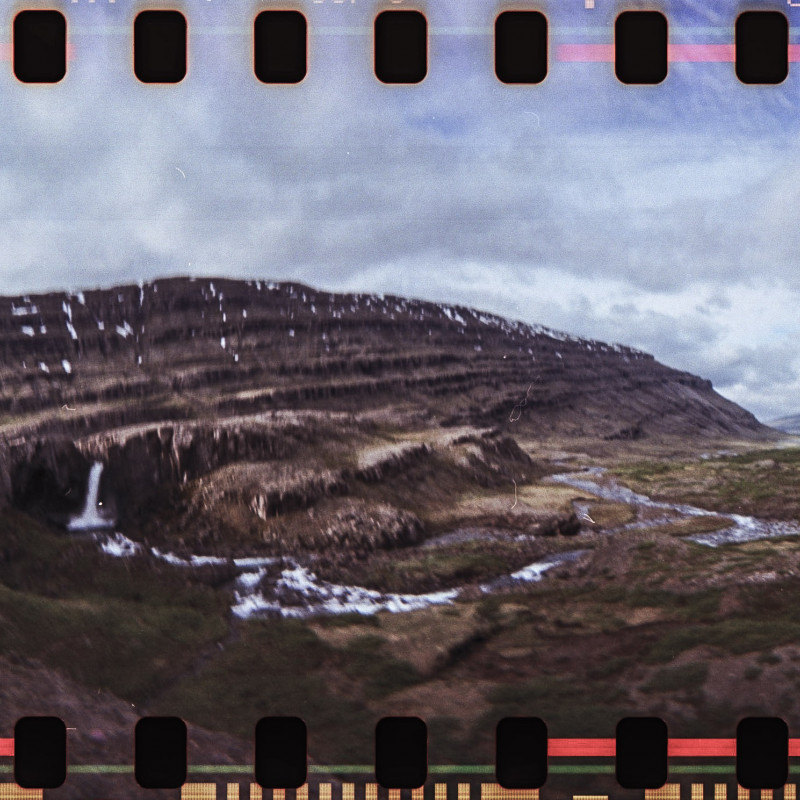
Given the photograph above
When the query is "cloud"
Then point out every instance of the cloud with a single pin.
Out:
(662, 219)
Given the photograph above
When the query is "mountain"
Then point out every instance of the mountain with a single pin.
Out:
(268, 450)
(186, 347)
(175, 374)
(788, 424)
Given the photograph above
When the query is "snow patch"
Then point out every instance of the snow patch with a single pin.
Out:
(124, 330)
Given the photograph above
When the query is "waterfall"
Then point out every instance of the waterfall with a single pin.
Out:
(91, 518)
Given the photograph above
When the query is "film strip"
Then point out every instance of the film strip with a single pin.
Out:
(640, 50)
(398, 401)
(641, 751)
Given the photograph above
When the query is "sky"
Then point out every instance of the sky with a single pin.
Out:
(661, 217)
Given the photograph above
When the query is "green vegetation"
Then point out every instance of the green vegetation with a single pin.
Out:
(612, 515)
(276, 667)
(565, 649)
(684, 678)
(687, 607)
(489, 608)
(130, 627)
(571, 707)
(366, 660)
(649, 471)
(753, 672)
(735, 636)
(445, 567)
(130, 648)
(691, 526)
(36, 559)
(611, 667)
(346, 620)
(761, 483)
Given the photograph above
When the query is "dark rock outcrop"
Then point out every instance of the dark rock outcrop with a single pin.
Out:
(87, 367)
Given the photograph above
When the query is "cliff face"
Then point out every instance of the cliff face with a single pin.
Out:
(98, 374)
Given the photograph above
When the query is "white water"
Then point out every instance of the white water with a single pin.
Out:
(533, 572)
(296, 591)
(282, 587)
(310, 596)
(742, 528)
(92, 517)
(118, 545)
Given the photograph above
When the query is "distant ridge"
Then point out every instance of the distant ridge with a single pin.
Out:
(789, 424)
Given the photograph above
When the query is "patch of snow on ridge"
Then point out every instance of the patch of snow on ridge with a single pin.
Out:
(28, 330)
(124, 330)
(453, 315)
(23, 311)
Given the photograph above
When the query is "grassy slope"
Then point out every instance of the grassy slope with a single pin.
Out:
(647, 628)
(760, 483)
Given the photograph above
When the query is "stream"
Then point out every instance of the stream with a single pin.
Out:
(283, 587)
(742, 528)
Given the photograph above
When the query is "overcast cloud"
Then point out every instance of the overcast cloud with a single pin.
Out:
(664, 218)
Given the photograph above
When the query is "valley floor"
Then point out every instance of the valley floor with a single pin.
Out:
(657, 610)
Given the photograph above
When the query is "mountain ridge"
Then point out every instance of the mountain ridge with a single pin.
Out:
(187, 347)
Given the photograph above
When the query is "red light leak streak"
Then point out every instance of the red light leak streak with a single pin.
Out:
(601, 748)
(675, 52)
(676, 748)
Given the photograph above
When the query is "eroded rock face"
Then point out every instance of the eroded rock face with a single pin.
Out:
(47, 478)
(139, 463)
(156, 382)
(362, 528)
(234, 347)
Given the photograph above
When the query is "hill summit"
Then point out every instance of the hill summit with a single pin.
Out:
(187, 348)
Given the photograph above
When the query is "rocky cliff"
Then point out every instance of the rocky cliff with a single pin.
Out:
(99, 374)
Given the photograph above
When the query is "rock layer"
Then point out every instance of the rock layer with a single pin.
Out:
(98, 374)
